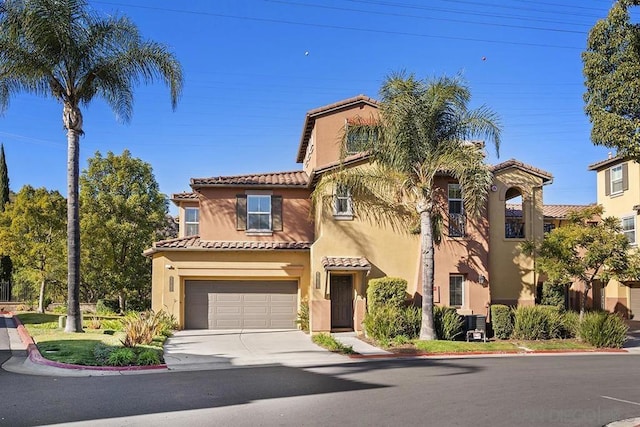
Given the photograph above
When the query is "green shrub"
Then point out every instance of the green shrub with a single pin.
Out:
(411, 321)
(101, 352)
(60, 309)
(531, 323)
(121, 357)
(113, 324)
(553, 294)
(148, 357)
(570, 324)
(386, 291)
(103, 309)
(167, 323)
(603, 330)
(502, 321)
(303, 315)
(448, 323)
(94, 323)
(383, 323)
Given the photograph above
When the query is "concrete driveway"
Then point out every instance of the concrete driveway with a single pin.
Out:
(222, 349)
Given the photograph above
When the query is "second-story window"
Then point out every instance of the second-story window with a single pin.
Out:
(456, 211)
(343, 205)
(191, 221)
(616, 180)
(629, 229)
(358, 138)
(259, 212)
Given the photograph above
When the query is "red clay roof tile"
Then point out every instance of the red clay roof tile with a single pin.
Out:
(345, 263)
(195, 243)
(269, 179)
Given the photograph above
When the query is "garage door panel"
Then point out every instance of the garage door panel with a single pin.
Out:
(634, 302)
(241, 304)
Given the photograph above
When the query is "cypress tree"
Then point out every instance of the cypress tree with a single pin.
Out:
(6, 267)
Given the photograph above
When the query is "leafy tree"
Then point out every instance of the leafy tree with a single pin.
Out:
(584, 253)
(612, 77)
(32, 232)
(60, 49)
(423, 130)
(122, 208)
(6, 267)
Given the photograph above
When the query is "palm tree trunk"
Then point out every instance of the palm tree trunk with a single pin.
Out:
(73, 122)
(427, 329)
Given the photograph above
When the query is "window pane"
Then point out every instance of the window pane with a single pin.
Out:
(455, 206)
(454, 191)
(456, 290)
(191, 214)
(191, 230)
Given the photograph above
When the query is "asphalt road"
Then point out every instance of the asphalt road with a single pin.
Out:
(582, 390)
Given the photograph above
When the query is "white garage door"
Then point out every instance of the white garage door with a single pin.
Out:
(240, 304)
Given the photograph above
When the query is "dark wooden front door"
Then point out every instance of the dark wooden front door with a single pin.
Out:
(341, 302)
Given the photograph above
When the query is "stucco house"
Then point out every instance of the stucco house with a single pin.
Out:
(252, 248)
(618, 191)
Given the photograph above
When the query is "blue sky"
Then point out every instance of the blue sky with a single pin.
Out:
(248, 83)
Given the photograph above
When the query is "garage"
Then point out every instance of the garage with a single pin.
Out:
(212, 304)
(634, 301)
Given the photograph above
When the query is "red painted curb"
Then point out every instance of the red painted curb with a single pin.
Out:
(36, 357)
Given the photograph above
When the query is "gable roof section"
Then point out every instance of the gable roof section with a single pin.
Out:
(345, 263)
(185, 197)
(513, 163)
(293, 179)
(311, 116)
(605, 163)
(194, 243)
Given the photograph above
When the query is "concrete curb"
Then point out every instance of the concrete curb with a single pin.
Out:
(34, 355)
(487, 353)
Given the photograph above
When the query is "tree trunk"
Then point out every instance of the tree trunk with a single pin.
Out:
(583, 300)
(427, 329)
(122, 302)
(41, 306)
(72, 118)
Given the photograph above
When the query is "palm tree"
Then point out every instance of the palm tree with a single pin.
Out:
(424, 130)
(60, 49)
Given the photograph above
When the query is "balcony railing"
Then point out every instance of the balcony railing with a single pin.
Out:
(457, 225)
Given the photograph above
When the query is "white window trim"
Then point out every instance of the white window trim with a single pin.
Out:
(259, 231)
(634, 229)
(187, 223)
(463, 305)
(611, 181)
(346, 215)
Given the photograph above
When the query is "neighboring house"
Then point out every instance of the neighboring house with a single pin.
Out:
(618, 189)
(252, 248)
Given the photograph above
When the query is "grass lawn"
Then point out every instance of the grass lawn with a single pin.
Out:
(80, 348)
(438, 346)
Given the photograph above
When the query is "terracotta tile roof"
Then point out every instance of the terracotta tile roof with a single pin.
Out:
(345, 263)
(185, 196)
(513, 163)
(195, 243)
(270, 179)
(550, 211)
(603, 163)
(312, 114)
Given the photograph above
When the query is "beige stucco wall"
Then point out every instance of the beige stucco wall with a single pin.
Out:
(328, 132)
(513, 277)
(218, 215)
(222, 265)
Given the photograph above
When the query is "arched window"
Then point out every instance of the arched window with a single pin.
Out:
(514, 217)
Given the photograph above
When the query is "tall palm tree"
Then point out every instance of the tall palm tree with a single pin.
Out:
(423, 130)
(60, 49)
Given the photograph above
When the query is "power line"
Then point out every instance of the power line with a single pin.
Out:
(341, 27)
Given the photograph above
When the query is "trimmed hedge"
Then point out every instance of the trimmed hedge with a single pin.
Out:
(389, 322)
(386, 291)
(502, 321)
